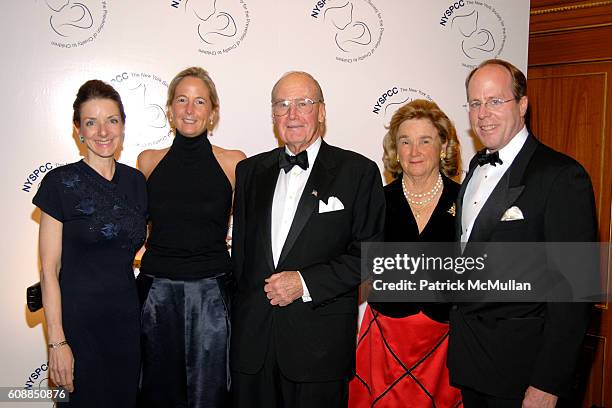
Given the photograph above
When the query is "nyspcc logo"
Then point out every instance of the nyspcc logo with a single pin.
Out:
(220, 25)
(477, 29)
(143, 95)
(38, 378)
(34, 175)
(73, 23)
(393, 98)
(355, 27)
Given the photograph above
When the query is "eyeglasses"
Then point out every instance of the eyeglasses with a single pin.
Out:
(491, 104)
(303, 105)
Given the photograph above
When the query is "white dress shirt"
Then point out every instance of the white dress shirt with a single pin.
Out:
(289, 188)
(484, 180)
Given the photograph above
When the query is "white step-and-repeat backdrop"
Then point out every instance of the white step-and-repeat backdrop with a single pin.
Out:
(370, 56)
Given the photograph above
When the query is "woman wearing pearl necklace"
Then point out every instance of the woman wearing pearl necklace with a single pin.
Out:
(421, 151)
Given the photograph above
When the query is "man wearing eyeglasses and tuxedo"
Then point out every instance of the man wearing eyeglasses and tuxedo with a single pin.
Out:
(517, 190)
(300, 214)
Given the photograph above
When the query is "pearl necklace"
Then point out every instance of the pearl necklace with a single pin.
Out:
(426, 197)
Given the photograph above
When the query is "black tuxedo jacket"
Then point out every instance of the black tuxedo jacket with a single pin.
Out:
(314, 341)
(502, 348)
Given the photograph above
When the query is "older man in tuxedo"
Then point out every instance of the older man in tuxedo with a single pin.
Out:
(300, 214)
(516, 354)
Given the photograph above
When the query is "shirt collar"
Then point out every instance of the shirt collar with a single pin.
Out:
(312, 151)
(514, 146)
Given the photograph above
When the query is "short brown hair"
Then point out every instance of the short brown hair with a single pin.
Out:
(422, 109)
(95, 89)
(519, 82)
(196, 72)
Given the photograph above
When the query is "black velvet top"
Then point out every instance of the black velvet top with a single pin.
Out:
(401, 226)
(190, 200)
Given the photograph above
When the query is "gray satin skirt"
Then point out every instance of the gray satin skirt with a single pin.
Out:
(185, 343)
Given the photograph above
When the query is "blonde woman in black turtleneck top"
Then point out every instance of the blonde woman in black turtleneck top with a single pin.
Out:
(185, 317)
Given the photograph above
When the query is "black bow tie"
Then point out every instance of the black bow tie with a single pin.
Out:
(286, 161)
(491, 158)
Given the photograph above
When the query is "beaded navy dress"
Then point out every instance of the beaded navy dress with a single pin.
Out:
(103, 227)
(185, 316)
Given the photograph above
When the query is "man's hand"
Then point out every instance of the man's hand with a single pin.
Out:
(283, 288)
(535, 398)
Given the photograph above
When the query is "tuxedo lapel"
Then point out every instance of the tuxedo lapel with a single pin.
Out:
(458, 221)
(266, 178)
(323, 172)
(504, 195)
(519, 166)
(500, 199)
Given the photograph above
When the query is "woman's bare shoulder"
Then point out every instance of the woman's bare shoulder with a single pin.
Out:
(149, 159)
(228, 157)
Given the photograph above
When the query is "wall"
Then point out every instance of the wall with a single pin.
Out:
(570, 63)
(370, 57)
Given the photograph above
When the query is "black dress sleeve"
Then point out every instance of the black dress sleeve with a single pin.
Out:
(48, 197)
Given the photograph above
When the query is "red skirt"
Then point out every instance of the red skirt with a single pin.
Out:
(401, 362)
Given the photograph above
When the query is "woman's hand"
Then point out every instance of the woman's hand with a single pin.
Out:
(61, 367)
(61, 361)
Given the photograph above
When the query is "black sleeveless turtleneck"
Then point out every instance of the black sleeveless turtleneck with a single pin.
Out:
(189, 206)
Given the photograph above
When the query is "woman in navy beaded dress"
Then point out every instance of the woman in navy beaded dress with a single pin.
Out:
(93, 220)
(183, 274)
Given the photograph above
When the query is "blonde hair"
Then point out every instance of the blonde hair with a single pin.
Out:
(422, 109)
(196, 72)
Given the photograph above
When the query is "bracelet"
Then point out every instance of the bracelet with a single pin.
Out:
(58, 344)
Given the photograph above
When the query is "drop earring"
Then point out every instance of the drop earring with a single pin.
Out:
(81, 138)
(210, 128)
(442, 155)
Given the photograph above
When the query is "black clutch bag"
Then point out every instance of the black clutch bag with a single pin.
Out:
(34, 297)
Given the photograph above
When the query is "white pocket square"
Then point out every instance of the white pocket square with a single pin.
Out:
(512, 214)
(333, 204)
